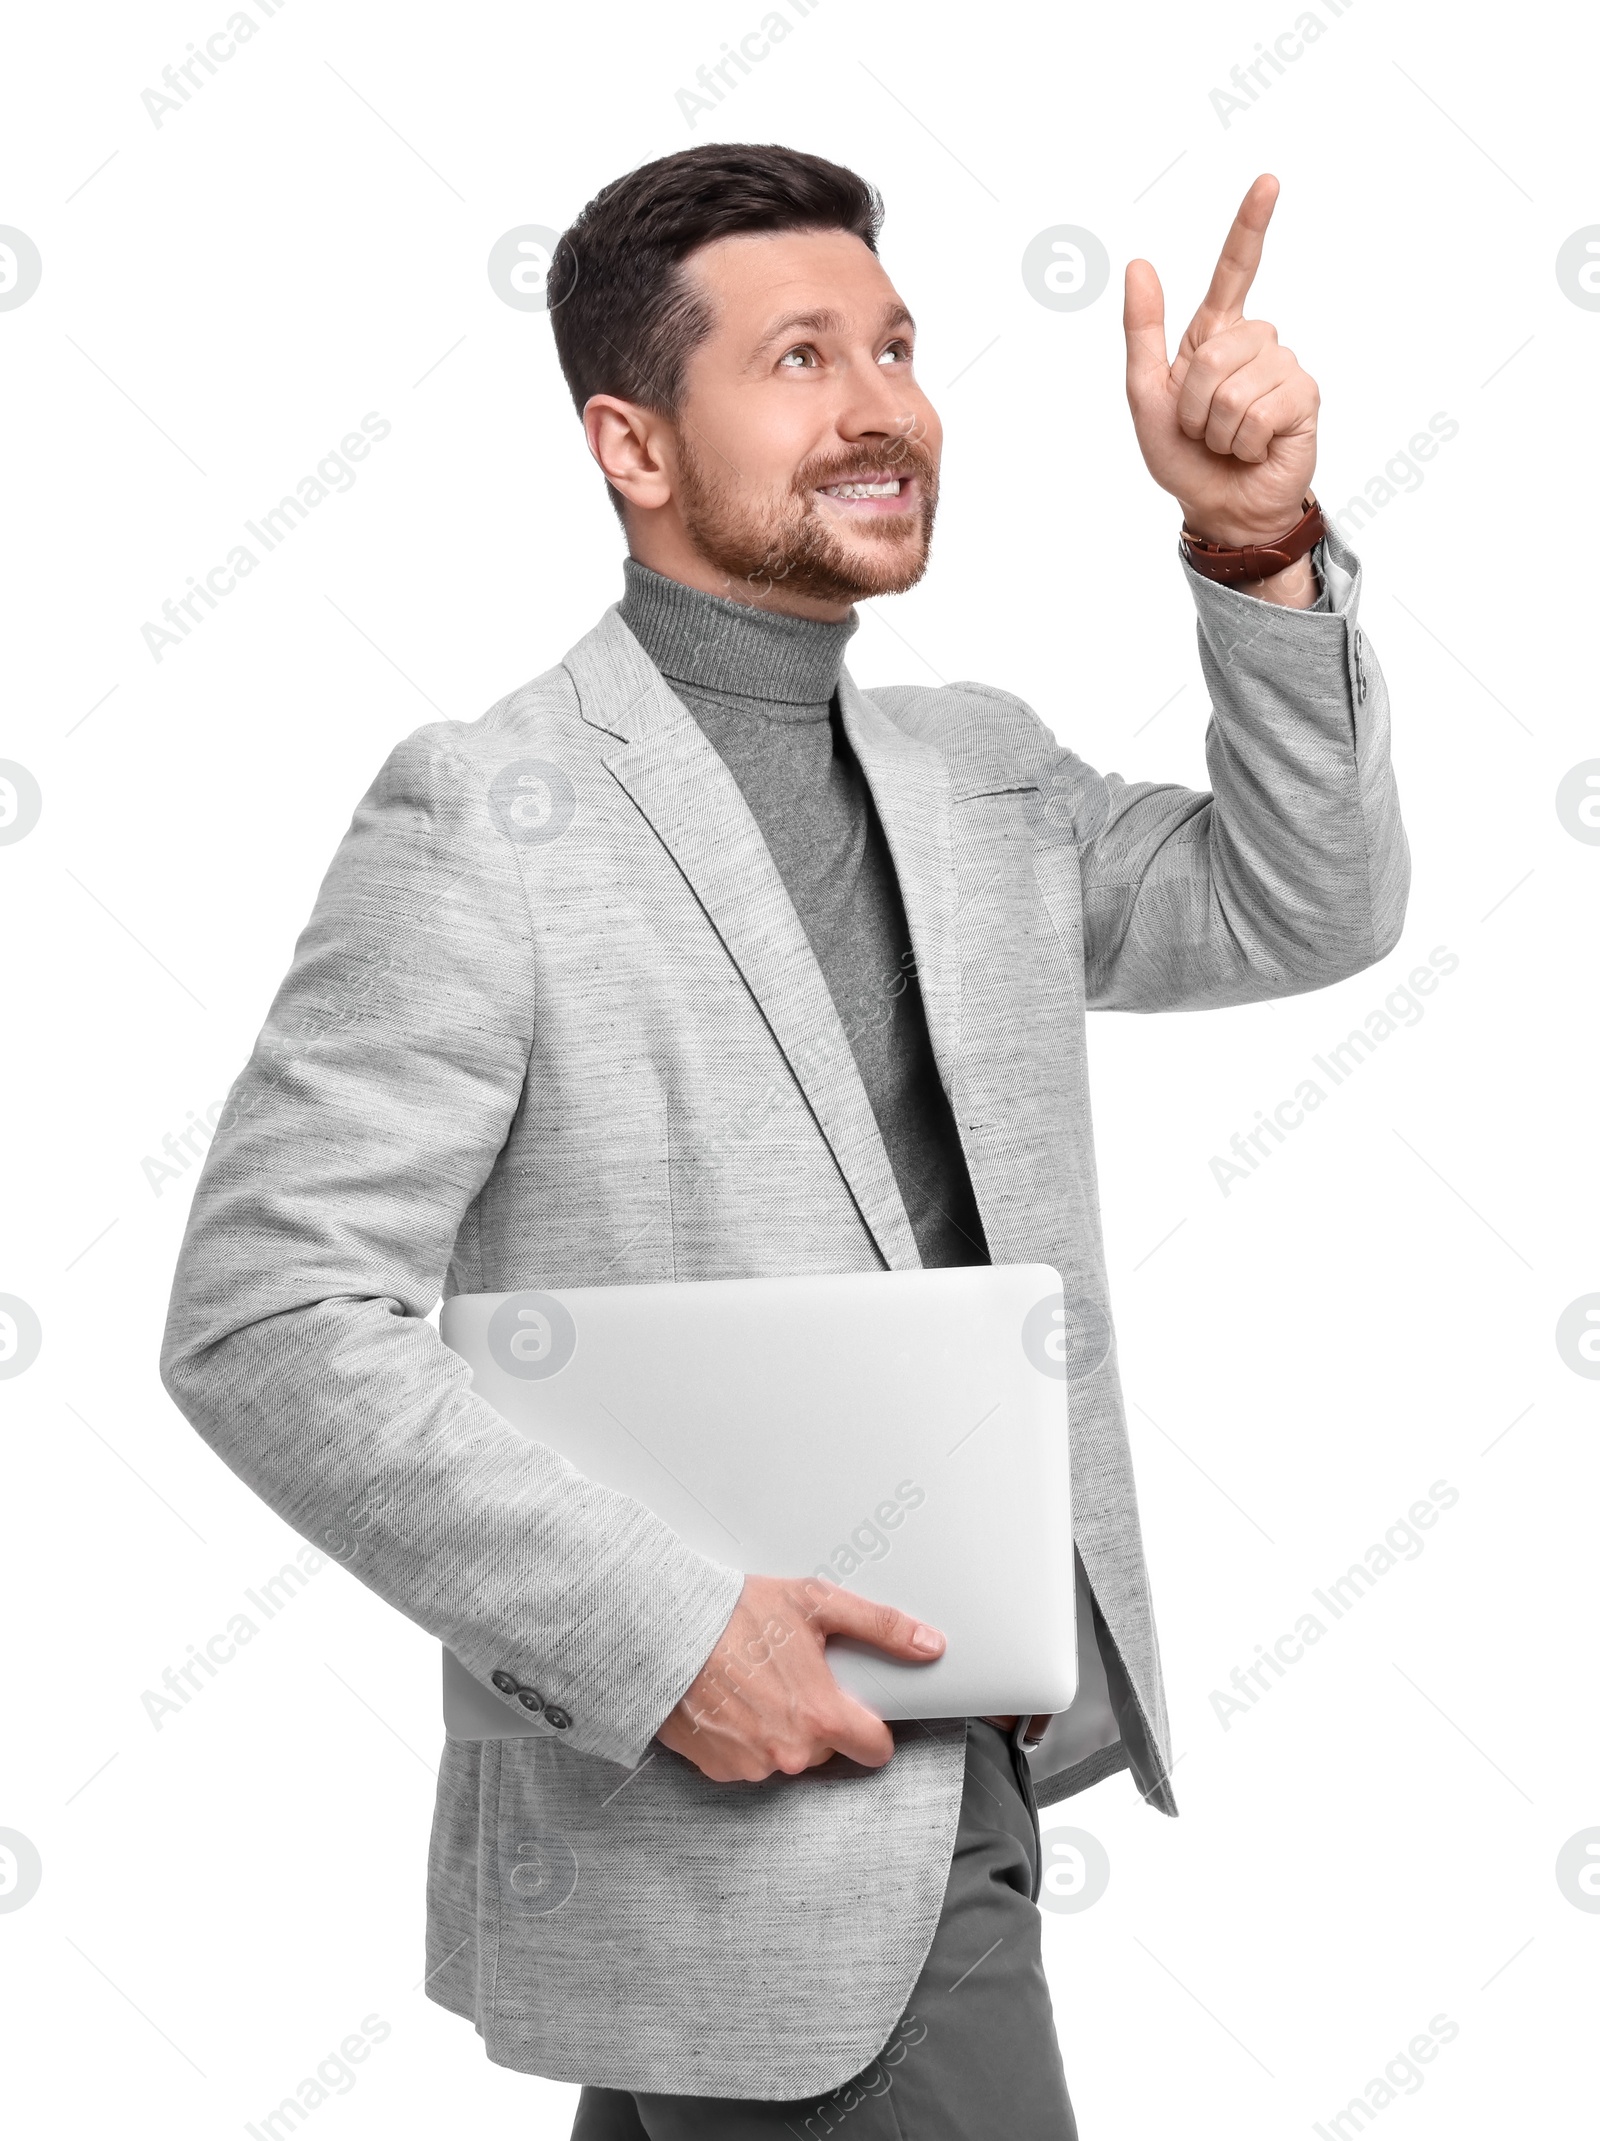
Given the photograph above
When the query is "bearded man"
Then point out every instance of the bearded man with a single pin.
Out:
(693, 960)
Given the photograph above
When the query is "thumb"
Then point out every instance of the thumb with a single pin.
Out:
(1144, 323)
(886, 1628)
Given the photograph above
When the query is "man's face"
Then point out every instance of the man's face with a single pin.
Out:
(807, 457)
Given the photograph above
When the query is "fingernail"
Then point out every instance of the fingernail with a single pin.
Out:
(926, 1639)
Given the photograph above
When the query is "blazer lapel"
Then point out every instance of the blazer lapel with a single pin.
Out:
(911, 789)
(675, 777)
(998, 997)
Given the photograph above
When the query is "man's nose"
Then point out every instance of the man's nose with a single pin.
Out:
(875, 404)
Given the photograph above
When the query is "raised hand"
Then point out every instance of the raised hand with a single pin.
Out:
(1229, 427)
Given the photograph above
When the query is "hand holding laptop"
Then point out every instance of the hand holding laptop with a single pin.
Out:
(766, 1699)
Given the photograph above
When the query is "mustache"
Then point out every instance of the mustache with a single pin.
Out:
(903, 456)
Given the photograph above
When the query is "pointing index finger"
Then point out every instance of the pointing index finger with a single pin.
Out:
(1236, 264)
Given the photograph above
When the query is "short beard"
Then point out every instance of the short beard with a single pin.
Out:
(763, 546)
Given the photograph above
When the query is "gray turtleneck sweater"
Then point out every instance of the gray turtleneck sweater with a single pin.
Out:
(762, 687)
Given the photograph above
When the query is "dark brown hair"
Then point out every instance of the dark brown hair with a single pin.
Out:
(624, 318)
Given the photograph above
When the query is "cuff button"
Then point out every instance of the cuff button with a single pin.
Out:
(530, 1699)
(505, 1682)
(556, 1716)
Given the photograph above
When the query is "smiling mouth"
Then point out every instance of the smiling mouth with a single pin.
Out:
(868, 487)
(871, 492)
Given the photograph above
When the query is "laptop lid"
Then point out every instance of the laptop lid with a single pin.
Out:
(903, 1433)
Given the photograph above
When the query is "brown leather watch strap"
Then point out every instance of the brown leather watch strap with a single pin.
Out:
(1255, 561)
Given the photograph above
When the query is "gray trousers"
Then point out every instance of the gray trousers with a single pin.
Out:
(974, 2054)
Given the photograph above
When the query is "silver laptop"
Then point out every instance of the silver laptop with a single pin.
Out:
(902, 1433)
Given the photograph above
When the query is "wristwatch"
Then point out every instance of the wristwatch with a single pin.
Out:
(1255, 561)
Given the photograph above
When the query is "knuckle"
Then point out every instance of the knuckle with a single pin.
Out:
(789, 1750)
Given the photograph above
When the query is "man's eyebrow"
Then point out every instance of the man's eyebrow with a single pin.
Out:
(824, 321)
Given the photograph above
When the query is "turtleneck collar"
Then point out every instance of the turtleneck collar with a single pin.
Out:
(735, 649)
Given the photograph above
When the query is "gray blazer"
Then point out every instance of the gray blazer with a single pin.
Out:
(554, 1022)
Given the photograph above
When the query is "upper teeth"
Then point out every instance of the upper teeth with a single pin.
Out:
(891, 489)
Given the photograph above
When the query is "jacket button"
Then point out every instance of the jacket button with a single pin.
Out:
(530, 1699)
(555, 1715)
(505, 1682)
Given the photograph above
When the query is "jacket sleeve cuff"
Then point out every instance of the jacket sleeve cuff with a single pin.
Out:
(1262, 640)
(612, 1695)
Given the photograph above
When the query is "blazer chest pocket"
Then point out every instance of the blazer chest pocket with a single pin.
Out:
(1065, 807)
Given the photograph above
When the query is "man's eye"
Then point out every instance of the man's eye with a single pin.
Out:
(799, 357)
(897, 353)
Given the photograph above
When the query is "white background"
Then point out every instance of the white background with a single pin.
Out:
(1374, 1843)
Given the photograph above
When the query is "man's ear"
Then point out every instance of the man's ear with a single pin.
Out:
(628, 441)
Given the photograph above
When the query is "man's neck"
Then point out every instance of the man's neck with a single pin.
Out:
(704, 640)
